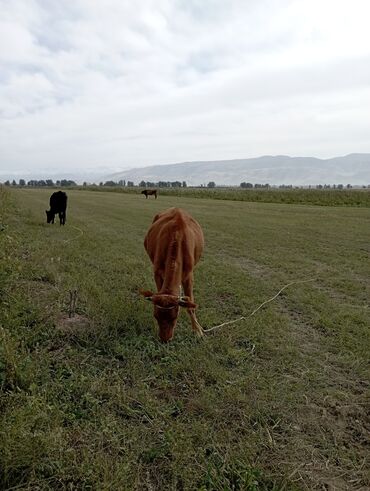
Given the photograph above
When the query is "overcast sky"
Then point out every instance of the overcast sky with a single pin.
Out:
(105, 85)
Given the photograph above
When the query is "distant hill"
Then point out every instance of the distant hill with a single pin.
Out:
(352, 169)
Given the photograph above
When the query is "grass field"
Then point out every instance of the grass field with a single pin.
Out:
(275, 402)
(320, 197)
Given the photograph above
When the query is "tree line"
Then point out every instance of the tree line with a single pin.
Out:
(249, 185)
(69, 182)
(162, 184)
(145, 184)
(41, 183)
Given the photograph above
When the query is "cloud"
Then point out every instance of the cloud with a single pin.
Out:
(88, 84)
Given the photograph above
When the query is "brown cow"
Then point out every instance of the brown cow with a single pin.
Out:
(174, 243)
(149, 192)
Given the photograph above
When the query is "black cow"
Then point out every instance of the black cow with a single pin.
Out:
(149, 192)
(58, 204)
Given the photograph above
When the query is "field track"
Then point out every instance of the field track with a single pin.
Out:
(279, 401)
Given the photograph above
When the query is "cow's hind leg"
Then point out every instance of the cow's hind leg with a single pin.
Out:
(62, 218)
(188, 291)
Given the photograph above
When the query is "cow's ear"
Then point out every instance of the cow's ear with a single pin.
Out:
(187, 303)
(147, 294)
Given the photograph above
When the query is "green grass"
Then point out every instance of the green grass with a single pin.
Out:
(275, 402)
(320, 197)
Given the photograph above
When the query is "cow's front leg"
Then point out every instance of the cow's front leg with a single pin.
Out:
(188, 291)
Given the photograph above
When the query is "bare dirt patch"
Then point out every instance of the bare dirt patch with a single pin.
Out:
(253, 268)
(338, 408)
(74, 324)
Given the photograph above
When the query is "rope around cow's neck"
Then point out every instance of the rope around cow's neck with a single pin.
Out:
(258, 308)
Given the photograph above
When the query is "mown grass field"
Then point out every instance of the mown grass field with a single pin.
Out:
(275, 402)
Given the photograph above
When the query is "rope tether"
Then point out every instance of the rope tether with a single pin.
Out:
(257, 309)
(77, 236)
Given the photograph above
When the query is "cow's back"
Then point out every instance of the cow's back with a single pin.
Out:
(171, 230)
(58, 201)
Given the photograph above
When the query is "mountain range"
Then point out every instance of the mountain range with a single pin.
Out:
(281, 169)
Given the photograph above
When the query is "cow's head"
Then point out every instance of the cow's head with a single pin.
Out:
(166, 311)
(49, 216)
(143, 192)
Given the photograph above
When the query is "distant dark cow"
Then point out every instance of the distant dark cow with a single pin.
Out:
(58, 204)
(174, 243)
(149, 192)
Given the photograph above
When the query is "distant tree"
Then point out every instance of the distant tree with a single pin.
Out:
(340, 186)
(246, 185)
(121, 183)
(57, 183)
(100, 183)
(14, 183)
(184, 185)
(22, 182)
(110, 183)
(67, 182)
(211, 184)
(7, 183)
(84, 184)
(142, 184)
(49, 182)
(349, 186)
(130, 184)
